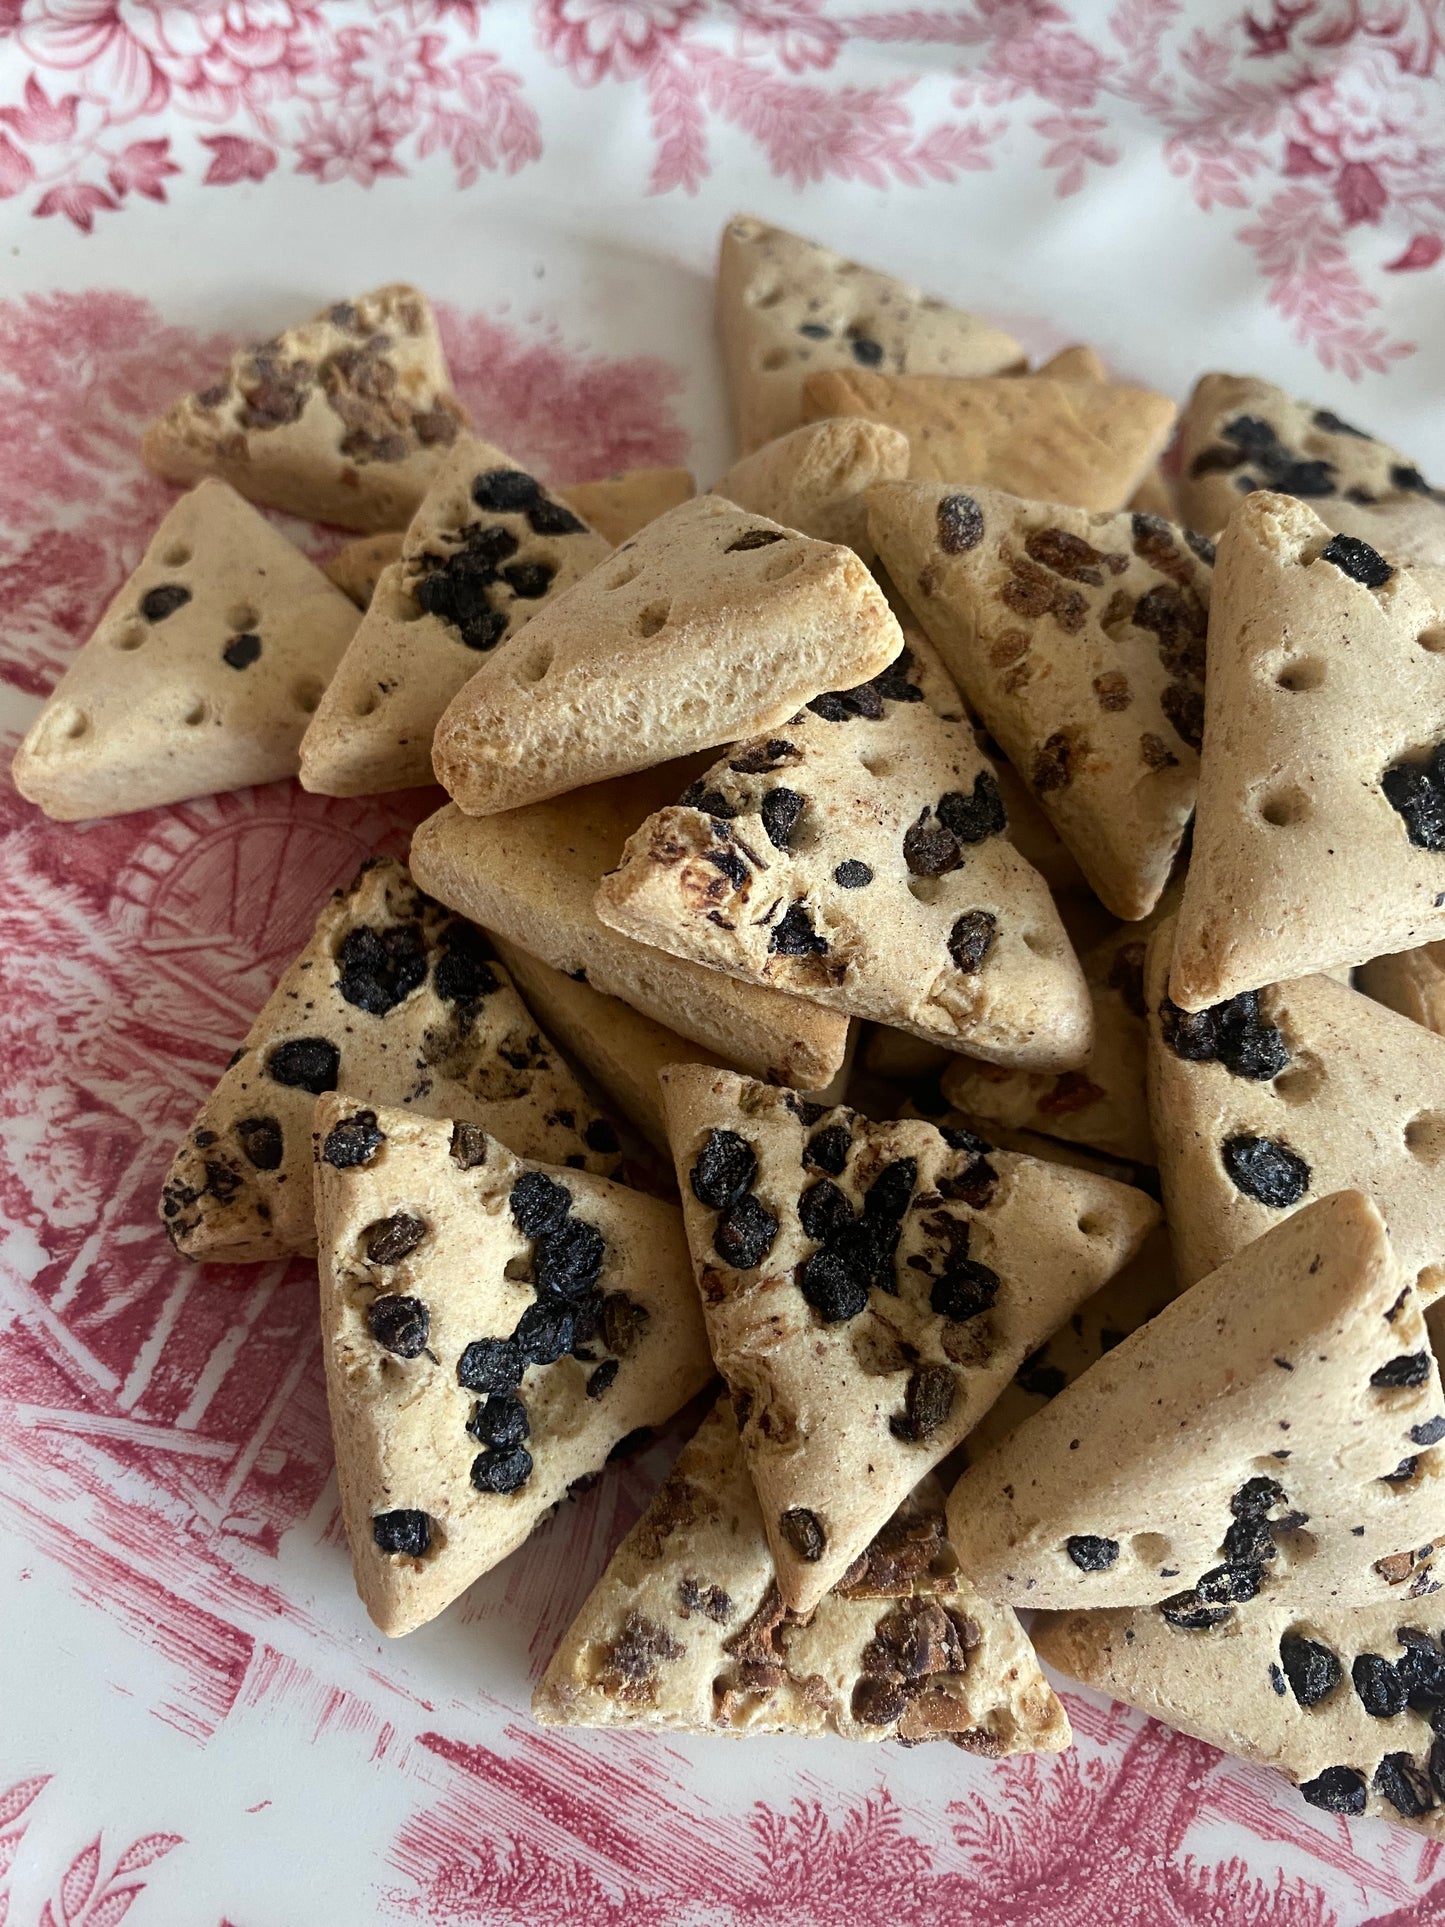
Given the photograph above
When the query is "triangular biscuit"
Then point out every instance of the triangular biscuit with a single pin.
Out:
(621, 1048)
(201, 676)
(1320, 831)
(1084, 442)
(859, 857)
(1283, 1095)
(1238, 433)
(1102, 1103)
(491, 1329)
(342, 418)
(786, 307)
(1272, 1430)
(487, 550)
(619, 505)
(531, 875)
(356, 566)
(1082, 363)
(685, 1632)
(1142, 1289)
(393, 1001)
(708, 625)
(1410, 981)
(1079, 639)
(869, 1291)
(816, 478)
(1344, 1701)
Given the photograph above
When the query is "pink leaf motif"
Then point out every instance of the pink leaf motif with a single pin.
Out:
(146, 1851)
(680, 130)
(1300, 160)
(235, 158)
(79, 1882)
(16, 171)
(144, 166)
(1423, 252)
(47, 1918)
(1360, 193)
(510, 131)
(1074, 142)
(41, 119)
(4, 1909)
(9, 1847)
(1314, 284)
(78, 201)
(15, 1799)
(955, 147)
(113, 1906)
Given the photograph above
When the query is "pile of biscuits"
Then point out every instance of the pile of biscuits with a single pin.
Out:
(867, 889)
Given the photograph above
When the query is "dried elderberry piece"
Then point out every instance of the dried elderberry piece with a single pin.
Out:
(827, 1150)
(1400, 1781)
(353, 1141)
(971, 939)
(852, 875)
(804, 1532)
(1311, 1668)
(262, 1142)
(1191, 1614)
(762, 758)
(389, 1240)
(554, 518)
(960, 524)
(1409, 1369)
(545, 1333)
(780, 810)
(399, 1323)
(403, 1531)
(1416, 790)
(973, 818)
(794, 935)
(529, 581)
(468, 1145)
(930, 849)
(1358, 560)
(568, 1262)
(538, 1204)
(500, 1420)
(164, 600)
(726, 1166)
(697, 796)
(822, 1209)
(927, 1404)
(623, 1322)
(464, 972)
(744, 1233)
(305, 1064)
(1090, 1552)
(1038, 1378)
(1265, 1170)
(1233, 1034)
(893, 684)
(241, 651)
(1339, 1789)
(599, 1381)
(1423, 1667)
(1383, 1688)
(377, 969)
(836, 1279)
(490, 1365)
(505, 491)
(867, 352)
(965, 1289)
(1230, 1585)
(502, 1469)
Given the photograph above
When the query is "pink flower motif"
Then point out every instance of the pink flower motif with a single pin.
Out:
(1058, 66)
(792, 31)
(623, 38)
(356, 149)
(1369, 111)
(225, 52)
(16, 171)
(90, 38)
(386, 65)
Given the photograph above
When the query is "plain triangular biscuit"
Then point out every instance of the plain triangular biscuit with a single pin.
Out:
(1410, 981)
(201, 676)
(850, 1385)
(621, 1048)
(858, 856)
(1238, 433)
(393, 1001)
(1130, 1299)
(1320, 832)
(491, 1329)
(1083, 442)
(1342, 1701)
(1263, 1433)
(487, 550)
(787, 307)
(1283, 1095)
(531, 875)
(1079, 639)
(1101, 1103)
(708, 625)
(356, 566)
(685, 1632)
(1083, 363)
(816, 478)
(617, 506)
(342, 418)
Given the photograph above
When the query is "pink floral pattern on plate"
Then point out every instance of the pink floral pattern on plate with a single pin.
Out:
(1318, 130)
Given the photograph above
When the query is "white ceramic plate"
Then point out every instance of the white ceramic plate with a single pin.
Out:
(197, 1722)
